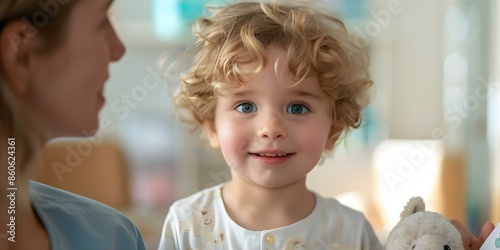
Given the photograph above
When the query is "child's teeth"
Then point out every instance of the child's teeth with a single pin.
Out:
(272, 155)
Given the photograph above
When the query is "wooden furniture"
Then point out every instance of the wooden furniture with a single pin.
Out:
(95, 170)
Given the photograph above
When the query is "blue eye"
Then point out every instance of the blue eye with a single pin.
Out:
(297, 109)
(246, 108)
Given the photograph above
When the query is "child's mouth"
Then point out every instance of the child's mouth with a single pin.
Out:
(271, 155)
(272, 159)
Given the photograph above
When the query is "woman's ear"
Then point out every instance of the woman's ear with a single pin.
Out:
(15, 46)
(211, 133)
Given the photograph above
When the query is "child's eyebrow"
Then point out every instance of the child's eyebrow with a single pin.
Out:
(241, 93)
(295, 92)
(302, 93)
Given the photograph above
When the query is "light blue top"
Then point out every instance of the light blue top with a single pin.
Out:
(75, 222)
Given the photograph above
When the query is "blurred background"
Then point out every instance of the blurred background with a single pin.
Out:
(432, 130)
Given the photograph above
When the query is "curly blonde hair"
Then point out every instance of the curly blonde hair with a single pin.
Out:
(317, 45)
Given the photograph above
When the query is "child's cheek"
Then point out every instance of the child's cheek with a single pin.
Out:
(233, 136)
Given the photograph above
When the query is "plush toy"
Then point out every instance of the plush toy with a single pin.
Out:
(423, 230)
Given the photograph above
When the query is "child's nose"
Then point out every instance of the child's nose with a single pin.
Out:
(273, 127)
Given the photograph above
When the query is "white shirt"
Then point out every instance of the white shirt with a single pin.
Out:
(200, 221)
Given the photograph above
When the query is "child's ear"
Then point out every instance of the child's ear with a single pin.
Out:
(333, 136)
(330, 143)
(15, 47)
(211, 133)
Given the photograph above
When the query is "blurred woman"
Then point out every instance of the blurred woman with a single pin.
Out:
(54, 58)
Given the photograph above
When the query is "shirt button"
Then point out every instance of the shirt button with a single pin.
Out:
(269, 239)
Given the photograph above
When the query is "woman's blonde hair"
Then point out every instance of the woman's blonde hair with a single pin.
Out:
(317, 45)
(15, 119)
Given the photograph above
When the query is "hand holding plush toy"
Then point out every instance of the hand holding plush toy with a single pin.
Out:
(423, 230)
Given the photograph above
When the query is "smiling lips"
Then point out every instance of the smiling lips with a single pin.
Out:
(271, 155)
(272, 158)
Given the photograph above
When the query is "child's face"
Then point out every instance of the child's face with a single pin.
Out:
(269, 133)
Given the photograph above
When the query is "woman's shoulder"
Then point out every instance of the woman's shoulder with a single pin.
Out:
(52, 199)
(67, 215)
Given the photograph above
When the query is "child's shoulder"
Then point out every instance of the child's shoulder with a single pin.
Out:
(203, 198)
(333, 208)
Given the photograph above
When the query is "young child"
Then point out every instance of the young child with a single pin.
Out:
(272, 87)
